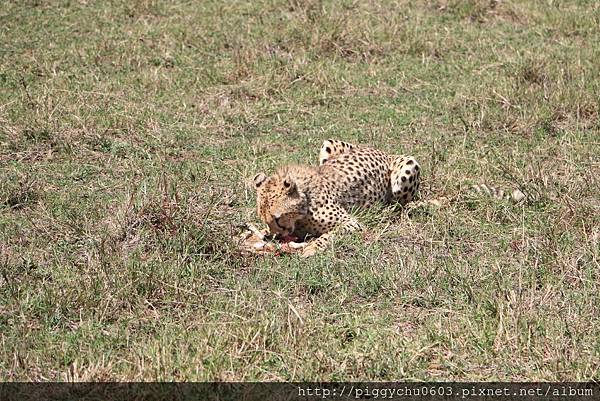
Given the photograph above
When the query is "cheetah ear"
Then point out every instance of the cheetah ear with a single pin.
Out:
(259, 179)
(289, 184)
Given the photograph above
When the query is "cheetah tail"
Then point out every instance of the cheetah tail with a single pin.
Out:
(515, 196)
(481, 190)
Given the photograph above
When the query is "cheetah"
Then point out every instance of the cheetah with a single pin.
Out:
(315, 201)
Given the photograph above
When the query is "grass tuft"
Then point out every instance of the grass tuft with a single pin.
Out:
(129, 132)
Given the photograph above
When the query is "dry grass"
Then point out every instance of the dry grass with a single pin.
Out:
(128, 133)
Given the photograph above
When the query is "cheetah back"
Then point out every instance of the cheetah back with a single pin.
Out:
(360, 177)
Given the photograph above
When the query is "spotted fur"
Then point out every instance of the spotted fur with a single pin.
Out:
(315, 201)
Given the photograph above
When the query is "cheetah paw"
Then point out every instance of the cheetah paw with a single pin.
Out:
(310, 250)
(297, 245)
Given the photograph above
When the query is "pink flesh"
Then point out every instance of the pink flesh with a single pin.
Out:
(288, 238)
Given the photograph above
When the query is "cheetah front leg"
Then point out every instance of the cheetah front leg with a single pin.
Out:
(332, 148)
(405, 171)
(346, 224)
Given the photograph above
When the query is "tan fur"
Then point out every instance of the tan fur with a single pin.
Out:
(304, 200)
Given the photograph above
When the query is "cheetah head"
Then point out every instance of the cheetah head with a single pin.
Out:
(280, 204)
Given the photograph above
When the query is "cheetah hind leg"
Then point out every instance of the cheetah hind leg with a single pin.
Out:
(405, 172)
(332, 148)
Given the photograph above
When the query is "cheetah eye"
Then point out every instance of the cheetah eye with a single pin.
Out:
(286, 184)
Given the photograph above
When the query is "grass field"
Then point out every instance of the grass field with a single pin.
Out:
(129, 131)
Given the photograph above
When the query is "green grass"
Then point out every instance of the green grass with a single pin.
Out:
(129, 132)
